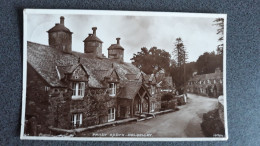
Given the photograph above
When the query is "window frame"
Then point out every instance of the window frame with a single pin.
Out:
(113, 89)
(111, 116)
(152, 106)
(78, 90)
(46, 88)
(76, 119)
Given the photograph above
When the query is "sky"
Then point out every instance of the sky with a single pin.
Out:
(198, 33)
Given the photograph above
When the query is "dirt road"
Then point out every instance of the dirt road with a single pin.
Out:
(182, 123)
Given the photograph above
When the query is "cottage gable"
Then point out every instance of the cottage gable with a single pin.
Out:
(79, 74)
(143, 93)
(150, 79)
(75, 72)
(114, 76)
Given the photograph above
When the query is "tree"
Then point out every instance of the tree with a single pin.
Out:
(180, 52)
(178, 72)
(219, 22)
(152, 61)
(208, 62)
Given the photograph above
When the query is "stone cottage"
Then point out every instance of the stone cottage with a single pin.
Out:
(68, 89)
(207, 84)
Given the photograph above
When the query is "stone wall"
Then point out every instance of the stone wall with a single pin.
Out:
(93, 47)
(98, 103)
(171, 104)
(61, 41)
(37, 103)
(59, 108)
(48, 106)
(221, 108)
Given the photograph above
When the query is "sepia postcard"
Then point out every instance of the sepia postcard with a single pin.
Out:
(123, 76)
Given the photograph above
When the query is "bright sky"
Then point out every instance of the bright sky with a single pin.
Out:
(198, 34)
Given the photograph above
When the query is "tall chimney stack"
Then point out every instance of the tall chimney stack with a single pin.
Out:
(62, 20)
(118, 41)
(94, 30)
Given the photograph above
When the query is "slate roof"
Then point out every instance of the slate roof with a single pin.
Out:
(115, 46)
(102, 74)
(62, 70)
(92, 38)
(59, 27)
(133, 76)
(130, 89)
(45, 59)
(210, 76)
(67, 69)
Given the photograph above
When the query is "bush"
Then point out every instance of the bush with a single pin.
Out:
(211, 124)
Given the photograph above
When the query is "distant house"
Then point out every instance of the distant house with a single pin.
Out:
(67, 89)
(207, 84)
(158, 85)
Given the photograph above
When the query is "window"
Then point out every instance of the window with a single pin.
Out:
(152, 106)
(78, 89)
(214, 81)
(112, 89)
(46, 89)
(128, 110)
(76, 119)
(111, 114)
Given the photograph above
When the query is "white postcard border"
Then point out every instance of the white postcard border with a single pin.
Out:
(122, 13)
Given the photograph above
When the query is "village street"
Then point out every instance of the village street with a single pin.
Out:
(182, 123)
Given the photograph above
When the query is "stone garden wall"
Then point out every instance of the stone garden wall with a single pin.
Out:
(221, 108)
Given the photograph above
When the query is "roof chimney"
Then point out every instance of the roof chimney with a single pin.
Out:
(94, 30)
(89, 34)
(118, 41)
(62, 20)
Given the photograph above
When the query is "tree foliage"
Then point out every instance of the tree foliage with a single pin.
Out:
(167, 97)
(178, 68)
(219, 22)
(179, 52)
(208, 62)
(178, 75)
(152, 61)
